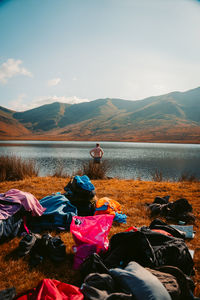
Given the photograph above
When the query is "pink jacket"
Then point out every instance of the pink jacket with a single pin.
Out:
(13, 200)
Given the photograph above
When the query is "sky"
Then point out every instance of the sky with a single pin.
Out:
(82, 50)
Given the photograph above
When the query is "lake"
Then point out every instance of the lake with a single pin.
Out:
(127, 160)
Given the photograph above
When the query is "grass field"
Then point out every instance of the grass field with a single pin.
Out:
(131, 194)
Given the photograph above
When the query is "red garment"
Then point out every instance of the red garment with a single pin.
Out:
(132, 228)
(50, 289)
(162, 231)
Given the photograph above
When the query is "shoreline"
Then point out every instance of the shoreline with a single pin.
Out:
(136, 140)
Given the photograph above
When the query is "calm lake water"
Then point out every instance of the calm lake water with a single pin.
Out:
(127, 160)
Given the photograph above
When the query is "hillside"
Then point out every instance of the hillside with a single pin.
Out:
(174, 117)
(9, 126)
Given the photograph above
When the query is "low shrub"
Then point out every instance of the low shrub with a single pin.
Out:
(188, 177)
(15, 168)
(157, 176)
(94, 170)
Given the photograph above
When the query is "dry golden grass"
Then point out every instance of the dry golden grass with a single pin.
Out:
(16, 168)
(131, 194)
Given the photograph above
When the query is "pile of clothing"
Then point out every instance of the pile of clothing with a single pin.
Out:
(57, 215)
(149, 262)
(137, 282)
(22, 212)
(179, 210)
(15, 206)
(106, 205)
(78, 200)
(40, 247)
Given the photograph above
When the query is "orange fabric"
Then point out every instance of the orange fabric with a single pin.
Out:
(112, 206)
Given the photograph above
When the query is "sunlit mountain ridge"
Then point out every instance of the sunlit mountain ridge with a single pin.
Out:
(173, 117)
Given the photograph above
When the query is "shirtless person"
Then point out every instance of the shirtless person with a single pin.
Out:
(97, 154)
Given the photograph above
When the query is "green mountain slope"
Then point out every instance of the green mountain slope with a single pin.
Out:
(172, 116)
(43, 118)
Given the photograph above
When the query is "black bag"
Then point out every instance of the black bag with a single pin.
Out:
(174, 253)
(75, 192)
(149, 249)
(93, 264)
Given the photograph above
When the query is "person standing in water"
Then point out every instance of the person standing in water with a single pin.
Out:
(97, 153)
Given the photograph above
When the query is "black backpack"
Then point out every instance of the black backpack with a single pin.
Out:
(174, 253)
(75, 192)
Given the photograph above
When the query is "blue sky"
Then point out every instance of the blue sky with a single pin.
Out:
(81, 50)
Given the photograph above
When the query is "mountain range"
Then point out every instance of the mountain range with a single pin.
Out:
(173, 117)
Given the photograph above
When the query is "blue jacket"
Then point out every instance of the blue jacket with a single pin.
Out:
(58, 214)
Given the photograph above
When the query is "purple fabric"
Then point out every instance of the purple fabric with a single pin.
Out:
(14, 199)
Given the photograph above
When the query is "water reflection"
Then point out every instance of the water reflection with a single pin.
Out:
(127, 160)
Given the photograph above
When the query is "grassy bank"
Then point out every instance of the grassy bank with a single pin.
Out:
(132, 194)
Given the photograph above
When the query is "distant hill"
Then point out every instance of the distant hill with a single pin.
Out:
(173, 117)
(9, 126)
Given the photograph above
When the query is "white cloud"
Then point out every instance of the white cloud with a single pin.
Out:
(51, 99)
(54, 81)
(19, 104)
(12, 68)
